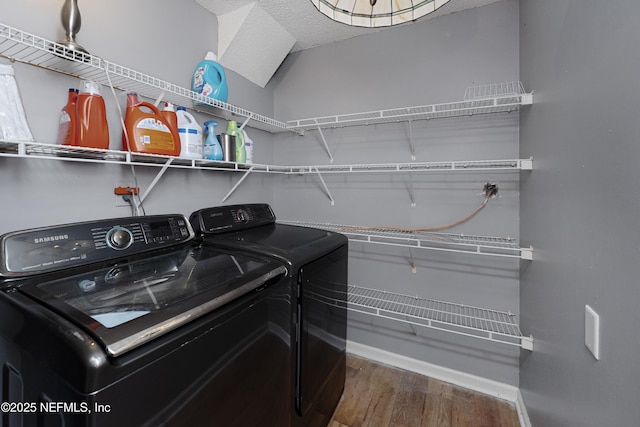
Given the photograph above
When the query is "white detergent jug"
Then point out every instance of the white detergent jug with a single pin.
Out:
(190, 135)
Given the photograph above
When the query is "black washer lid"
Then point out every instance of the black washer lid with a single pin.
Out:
(128, 304)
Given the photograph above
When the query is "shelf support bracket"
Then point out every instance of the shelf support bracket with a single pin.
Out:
(527, 253)
(411, 146)
(154, 182)
(413, 264)
(246, 121)
(411, 191)
(159, 98)
(526, 99)
(413, 328)
(246, 174)
(527, 343)
(326, 189)
(324, 141)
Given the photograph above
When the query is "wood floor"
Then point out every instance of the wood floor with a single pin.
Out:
(379, 396)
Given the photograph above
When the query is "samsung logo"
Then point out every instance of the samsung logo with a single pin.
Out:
(51, 238)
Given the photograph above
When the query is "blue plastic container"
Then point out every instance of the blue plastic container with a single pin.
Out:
(210, 80)
(212, 149)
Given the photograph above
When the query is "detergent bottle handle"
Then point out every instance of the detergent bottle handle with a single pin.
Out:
(220, 72)
(190, 118)
(150, 106)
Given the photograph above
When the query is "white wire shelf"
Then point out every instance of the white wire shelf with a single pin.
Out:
(443, 166)
(81, 154)
(36, 150)
(495, 98)
(505, 247)
(19, 46)
(482, 323)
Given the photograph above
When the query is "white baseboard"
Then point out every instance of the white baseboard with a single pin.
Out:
(472, 382)
(522, 411)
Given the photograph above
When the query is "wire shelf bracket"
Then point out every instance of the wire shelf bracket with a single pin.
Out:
(412, 147)
(237, 184)
(414, 269)
(412, 195)
(326, 189)
(159, 175)
(324, 142)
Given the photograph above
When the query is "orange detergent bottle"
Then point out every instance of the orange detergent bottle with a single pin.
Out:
(146, 130)
(68, 119)
(91, 118)
(169, 114)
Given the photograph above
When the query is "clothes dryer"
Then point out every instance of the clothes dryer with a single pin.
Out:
(317, 264)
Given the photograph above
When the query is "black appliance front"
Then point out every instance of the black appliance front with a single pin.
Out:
(178, 334)
(317, 262)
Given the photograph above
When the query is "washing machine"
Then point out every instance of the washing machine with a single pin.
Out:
(317, 264)
(130, 322)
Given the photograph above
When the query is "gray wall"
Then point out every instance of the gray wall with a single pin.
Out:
(433, 61)
(165, 39)
(429, 62)
(579, 209)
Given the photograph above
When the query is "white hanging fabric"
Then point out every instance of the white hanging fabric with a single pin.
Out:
(13, 122)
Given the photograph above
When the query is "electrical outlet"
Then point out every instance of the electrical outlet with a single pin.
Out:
(592, 331)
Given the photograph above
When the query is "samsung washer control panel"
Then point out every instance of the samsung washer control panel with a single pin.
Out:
(47, 249)
(221, 219)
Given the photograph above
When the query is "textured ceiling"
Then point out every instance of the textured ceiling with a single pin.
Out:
(255, 36)
(309, 27)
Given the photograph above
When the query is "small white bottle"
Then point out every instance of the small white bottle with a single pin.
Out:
(248, 147)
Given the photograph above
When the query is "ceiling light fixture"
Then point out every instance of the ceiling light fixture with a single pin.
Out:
(376, 13)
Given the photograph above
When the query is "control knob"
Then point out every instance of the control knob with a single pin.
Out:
(119, 238)
(242, 216)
